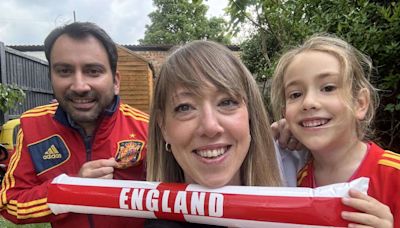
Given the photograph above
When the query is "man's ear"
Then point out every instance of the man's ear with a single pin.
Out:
(362, 103)
(117, 82)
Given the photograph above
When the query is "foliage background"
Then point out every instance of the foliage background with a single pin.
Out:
(371, 26)
(10, 96)
(180, 21)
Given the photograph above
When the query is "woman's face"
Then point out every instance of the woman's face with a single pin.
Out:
(209, 135)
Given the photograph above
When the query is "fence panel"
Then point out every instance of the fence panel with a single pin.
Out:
(28, 73)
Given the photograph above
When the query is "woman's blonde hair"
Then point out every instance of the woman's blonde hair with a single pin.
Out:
(356, 69)
(193, 66)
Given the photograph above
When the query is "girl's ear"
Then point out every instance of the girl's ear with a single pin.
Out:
(362, 103)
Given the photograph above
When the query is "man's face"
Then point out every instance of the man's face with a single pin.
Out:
(82, 79)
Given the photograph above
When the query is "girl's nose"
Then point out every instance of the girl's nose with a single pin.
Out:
(310, 101)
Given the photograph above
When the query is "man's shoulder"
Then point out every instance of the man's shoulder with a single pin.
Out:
(133, 113)
(40, 111)
(37, 117)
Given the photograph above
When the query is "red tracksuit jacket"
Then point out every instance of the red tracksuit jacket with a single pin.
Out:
(48, 145)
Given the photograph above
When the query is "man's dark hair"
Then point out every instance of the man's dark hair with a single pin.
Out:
(81, 30)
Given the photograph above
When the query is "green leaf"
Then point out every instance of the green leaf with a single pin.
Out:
(10, 96)
(389, 107)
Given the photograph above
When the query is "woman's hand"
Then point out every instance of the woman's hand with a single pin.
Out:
(372, 212)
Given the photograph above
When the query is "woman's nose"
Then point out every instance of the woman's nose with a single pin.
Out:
(209, 123)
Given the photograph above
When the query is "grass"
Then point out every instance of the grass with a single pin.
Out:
(6, 224)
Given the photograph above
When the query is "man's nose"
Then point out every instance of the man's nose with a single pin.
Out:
(79, 83)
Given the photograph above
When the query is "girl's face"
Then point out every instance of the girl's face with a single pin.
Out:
(209, 135)
(316, 113)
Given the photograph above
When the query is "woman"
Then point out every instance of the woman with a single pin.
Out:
(208, 124)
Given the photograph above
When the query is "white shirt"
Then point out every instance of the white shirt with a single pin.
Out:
(290, 162)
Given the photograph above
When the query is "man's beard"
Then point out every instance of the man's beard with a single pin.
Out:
(90, 116)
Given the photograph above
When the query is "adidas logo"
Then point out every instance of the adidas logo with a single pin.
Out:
(51, 153)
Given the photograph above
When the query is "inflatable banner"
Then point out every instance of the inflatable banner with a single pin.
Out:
(233, 206)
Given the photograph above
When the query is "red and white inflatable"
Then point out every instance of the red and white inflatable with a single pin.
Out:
(234, 206)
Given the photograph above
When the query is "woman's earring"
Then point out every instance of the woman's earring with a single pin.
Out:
(168, 147)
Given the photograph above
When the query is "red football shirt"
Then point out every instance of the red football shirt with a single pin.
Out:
(382, 167)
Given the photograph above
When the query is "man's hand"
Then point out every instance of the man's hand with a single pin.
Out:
(281, 132)
(102, 168)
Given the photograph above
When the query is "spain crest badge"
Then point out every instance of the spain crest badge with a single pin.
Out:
(128, 153)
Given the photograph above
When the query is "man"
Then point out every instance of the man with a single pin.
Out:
(88, 133)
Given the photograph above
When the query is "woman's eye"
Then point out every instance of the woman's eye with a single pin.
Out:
(329, 88)
(182, 108)
(229, 102)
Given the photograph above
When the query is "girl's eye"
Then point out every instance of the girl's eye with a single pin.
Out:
(294, 95)
(329, 88)
(182, 108)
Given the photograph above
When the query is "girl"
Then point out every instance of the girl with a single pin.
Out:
(322, 90)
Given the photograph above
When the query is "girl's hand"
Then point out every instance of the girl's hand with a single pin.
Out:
(372, 212)
(282, 133)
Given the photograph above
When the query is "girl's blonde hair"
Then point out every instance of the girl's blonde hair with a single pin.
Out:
(356, 69)
(194, 66)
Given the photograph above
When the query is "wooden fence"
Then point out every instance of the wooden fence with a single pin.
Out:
(28, 73)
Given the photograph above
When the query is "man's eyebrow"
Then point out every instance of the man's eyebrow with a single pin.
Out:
(94, 65)
(60, 64)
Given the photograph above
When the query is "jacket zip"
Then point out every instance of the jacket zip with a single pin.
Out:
(88, 147)
(88, 141)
